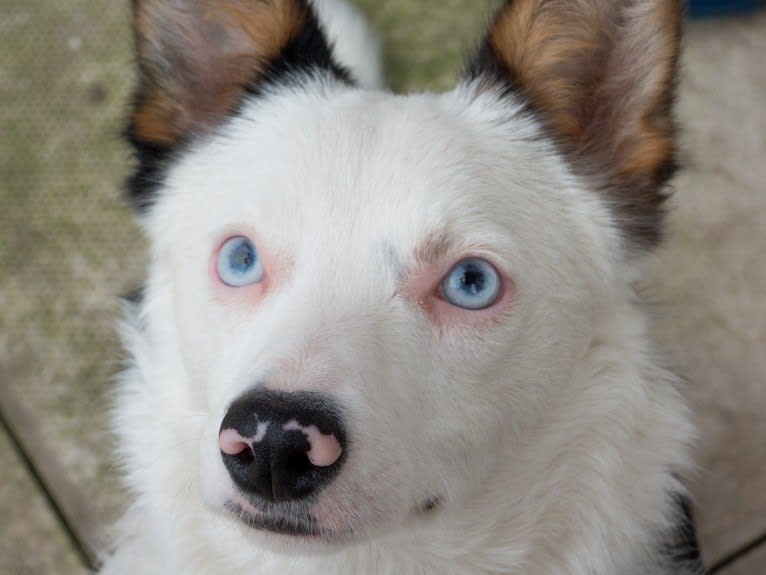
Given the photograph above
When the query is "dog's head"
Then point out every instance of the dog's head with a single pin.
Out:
(365, 303)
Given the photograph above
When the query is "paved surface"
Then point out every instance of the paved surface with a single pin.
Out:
(32, 541)
(710, 278)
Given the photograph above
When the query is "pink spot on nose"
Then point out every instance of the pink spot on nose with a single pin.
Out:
(232, 442)
(325, 449)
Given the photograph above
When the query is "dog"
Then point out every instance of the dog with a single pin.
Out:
(400, 334)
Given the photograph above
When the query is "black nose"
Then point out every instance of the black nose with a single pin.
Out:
(282, 446)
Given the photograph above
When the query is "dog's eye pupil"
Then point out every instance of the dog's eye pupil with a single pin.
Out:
(241, 259)
(473, 281)
(471, 284)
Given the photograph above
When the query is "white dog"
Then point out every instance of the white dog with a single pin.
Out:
(389, 334)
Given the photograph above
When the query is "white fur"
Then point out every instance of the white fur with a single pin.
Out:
(354, 43)
(552, 434)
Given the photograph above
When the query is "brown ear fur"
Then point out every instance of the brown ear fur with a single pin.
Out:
(601, 75)
(196, 58)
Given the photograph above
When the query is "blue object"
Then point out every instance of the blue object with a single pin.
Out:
(719, 8)
(472, 284)
(238, 263)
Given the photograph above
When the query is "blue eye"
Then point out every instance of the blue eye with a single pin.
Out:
(238, 263)
(472, 284)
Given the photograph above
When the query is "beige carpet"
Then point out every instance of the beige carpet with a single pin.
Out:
(711, 275)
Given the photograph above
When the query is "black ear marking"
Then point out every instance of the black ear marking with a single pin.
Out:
(601, 76)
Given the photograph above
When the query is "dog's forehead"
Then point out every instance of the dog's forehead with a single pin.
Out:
(357, 151)
(358, 166)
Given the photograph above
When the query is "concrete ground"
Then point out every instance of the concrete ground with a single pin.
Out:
(57, 483)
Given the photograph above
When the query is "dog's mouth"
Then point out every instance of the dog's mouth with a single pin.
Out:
(300, 523)
(292, 524)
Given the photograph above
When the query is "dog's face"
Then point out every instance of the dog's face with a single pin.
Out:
(372, 298)
(361, 211)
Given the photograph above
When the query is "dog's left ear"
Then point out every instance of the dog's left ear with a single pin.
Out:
(600, 75)
(197, 60)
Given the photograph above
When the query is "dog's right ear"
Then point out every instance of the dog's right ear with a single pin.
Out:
(600, 75)
(197, 60)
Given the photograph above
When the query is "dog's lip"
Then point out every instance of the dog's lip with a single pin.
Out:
(300, 524)
(280, 523)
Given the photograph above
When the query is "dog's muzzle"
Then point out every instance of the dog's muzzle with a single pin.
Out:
(279, 446)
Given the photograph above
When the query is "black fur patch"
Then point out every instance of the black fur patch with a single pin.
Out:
(682, 549)
(309, 52)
